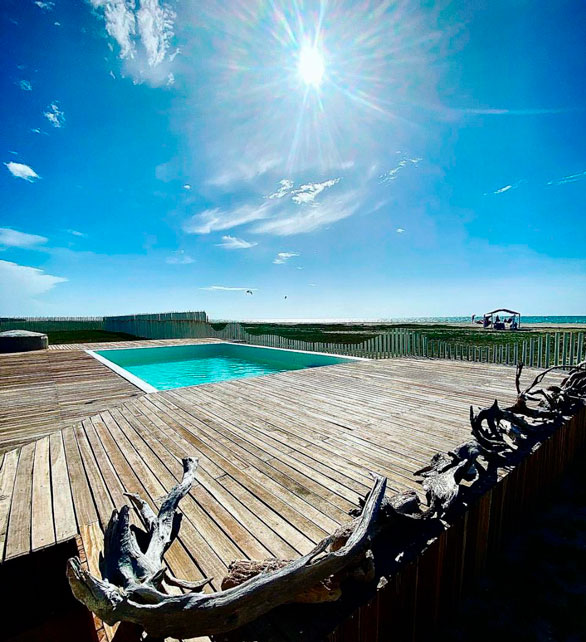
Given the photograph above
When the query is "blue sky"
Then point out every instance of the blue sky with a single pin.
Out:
(362, 159)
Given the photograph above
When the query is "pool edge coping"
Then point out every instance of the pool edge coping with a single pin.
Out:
(133, 379)
(148, 388)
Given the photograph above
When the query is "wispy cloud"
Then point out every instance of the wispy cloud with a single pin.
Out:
(25, 85)
(234, 243)
(77, 233)
(213, 220)
(243, 172)
(19, 283)
(225, 288)
(307, 193)
(179, 257)
(283, 257)
(55, 115)
(506, 188)
(400, 230)
(392, 174)
(308, 219)
(14, 238)
(20, 170)
(285, 186)
(155, 27)
(45, 6)
(144, 33)
(572, 178)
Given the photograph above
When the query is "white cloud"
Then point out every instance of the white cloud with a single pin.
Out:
(45, 6)
(25, 85)
(506, 188)
(55, 115)
(241, 172)
(187, 187)
(399, 230)
(224, 288)
(120, 23)
(20, 170)
(234, 243)
(309, 219)
(19, 283)
(217, 219)
(179, 258)
(307, 193)
(285, 187)
(14, 238)
(572, 178)
(283, 257)
(155, 27)
(77, 233)
(143, 31)
(391, 175)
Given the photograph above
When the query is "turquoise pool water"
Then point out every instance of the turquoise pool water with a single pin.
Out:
(192, 365)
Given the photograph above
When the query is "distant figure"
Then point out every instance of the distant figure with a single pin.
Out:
(473, 317)
(285, 297)
(514, 325)
(486, 322)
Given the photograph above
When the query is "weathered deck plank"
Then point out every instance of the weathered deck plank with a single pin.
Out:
(43, 391)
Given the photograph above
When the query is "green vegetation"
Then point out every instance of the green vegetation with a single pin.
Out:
(57, 337)
(347, 333)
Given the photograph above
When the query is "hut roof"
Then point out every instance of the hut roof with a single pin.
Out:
(487, 314)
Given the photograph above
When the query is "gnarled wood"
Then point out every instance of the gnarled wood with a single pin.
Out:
(194, 614)
(328, 590)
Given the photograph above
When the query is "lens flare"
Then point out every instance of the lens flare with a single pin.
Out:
(310, 65)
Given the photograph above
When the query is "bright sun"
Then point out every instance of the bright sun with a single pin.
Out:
(310, 65)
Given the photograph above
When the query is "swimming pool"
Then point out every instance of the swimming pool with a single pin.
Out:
(167, 367)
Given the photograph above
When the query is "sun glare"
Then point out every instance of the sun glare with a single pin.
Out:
(310, 65)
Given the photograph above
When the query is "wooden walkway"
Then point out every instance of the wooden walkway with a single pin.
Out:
(282, 458)
(43, 391)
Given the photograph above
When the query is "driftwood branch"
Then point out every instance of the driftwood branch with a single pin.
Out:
(130, 590)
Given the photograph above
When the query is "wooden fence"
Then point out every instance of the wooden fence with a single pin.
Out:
(166, 325)
(559, 348)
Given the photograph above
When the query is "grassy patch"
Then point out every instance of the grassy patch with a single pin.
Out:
(345, 333)
(57, 337)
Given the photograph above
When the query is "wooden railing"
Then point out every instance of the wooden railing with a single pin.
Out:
(559, 348)
(166, 325)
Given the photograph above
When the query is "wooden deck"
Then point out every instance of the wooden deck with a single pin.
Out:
(43, 391)
(282, 458)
